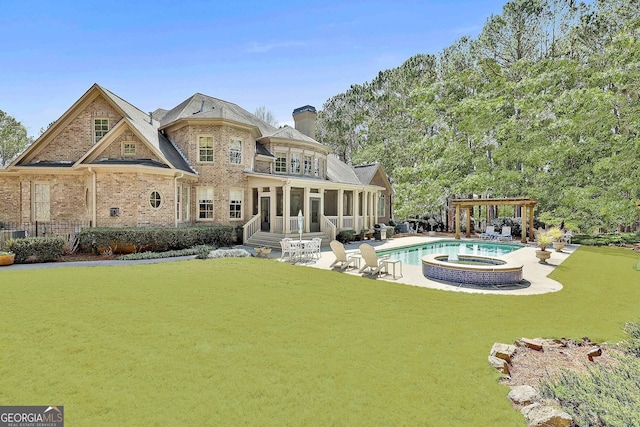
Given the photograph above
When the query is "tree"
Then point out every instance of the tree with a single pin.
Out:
(13, 138)
(266, 115)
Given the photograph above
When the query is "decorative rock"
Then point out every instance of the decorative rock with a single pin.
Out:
(538, 415)
(524, 395)
(500, 364)
(594, 352)
(503, 351)
(532, 344)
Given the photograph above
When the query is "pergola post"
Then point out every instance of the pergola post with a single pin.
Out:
(523, 209)
(458, 222)
(468, 233)
(531, 222)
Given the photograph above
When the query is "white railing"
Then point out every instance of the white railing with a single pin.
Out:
(333, 219)
(328, 227)
(293, 225)
(279, 226)
(348, 223)
(251, 227)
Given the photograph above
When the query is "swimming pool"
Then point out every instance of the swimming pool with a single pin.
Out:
(412, 255)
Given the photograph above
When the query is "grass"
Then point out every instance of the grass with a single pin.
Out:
(256, 342)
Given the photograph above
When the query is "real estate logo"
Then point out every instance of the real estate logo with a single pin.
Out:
(31, 416)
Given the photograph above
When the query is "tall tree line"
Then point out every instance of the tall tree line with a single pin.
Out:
(544, 103)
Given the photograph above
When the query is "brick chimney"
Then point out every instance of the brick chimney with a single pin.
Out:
(305, 120)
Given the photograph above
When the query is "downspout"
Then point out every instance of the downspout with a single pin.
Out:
(94, 197)
(178, 176)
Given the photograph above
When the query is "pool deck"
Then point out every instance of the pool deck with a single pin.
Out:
(534, 273)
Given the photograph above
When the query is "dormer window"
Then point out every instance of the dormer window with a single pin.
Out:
(100, 128)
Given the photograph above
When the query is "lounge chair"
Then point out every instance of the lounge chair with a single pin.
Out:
(490, 233)
(343, 260)
(373, 265)
(505, 234)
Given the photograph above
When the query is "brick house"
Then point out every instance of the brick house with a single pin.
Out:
(106, 163)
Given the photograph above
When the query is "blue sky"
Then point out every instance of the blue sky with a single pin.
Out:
(156, 54)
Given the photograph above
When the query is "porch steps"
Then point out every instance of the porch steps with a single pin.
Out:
(272, 240)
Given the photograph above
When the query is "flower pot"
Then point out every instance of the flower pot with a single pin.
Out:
(432, 234)
(543, 256)
(7, 259)
(558, 246)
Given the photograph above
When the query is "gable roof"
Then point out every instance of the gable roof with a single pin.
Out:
(339, 171)
(140, 122)
(366, 173)
(201, 106)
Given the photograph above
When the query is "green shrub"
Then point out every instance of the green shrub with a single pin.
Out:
(390, 232)
(168, 254)
(229, 253)
(606, 239)
(36, 249)
(604, 396)
(155, 239)
(346, 236)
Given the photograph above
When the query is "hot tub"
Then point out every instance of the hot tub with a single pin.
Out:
(471, 270)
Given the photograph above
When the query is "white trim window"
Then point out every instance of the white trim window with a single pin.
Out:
(316, 167)
(100, 129)
(128, 149)
(381, 205)
(235, 204)
(155, 199)
(205, 148)
(235, 152)
(307, 165)
(205, 203)
(281, 162)
(183, 197)
(41, 202)
(295, 163)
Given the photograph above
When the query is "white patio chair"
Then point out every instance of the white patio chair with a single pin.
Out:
(312, 249)
(285, 244)
(374, 264)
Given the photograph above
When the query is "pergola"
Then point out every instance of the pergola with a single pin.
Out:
(525, 203)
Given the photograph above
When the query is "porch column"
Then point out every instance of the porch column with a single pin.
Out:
(531, 237)
(468, 233)
(523, 210)
(376, 201)
(340, 208)
(286, 194)
(306, 210)
(458, 222)
(272, 209)
(365, 211)
(356, 210)
(369, 209)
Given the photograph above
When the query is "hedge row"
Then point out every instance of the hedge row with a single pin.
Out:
(36, 249)
(156, 239)
(606, 239)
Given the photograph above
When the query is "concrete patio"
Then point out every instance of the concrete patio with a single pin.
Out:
(535, 274)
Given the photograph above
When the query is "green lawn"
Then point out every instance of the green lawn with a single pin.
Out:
(257, 342)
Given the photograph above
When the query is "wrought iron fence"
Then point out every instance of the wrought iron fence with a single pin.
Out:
(19, 230)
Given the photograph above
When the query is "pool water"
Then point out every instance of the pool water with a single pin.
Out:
(412, 255)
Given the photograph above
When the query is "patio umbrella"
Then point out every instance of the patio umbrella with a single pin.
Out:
(300, 223)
